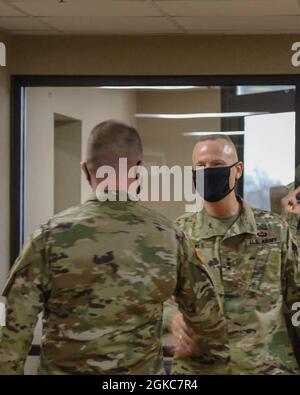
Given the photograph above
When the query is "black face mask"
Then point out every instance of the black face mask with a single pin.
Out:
(216, 182)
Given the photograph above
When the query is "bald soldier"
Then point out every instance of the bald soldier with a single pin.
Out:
(253, 261)
(99, 273)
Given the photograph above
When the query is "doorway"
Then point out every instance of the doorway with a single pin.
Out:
(67, 157)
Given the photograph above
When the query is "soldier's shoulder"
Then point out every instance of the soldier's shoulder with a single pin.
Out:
(68, 216)
(187, 219)
(155, 217)
(68, 212)
(269, 219)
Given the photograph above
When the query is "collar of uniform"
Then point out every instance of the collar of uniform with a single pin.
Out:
(111, 196)
(210, 226)
(245, 223)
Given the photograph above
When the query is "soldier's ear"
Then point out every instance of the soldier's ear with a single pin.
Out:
(240, 169)
(85, 170)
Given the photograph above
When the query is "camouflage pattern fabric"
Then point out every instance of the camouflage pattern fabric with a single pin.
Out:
(100, 273)
(292, 219)
(255, 267)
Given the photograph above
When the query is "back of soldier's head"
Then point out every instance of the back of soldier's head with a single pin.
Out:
(111, 140)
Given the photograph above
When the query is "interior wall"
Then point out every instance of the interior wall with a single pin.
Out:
(67, 156)
(90, 106)
(163, 140)
(4, 163)
(154, 55)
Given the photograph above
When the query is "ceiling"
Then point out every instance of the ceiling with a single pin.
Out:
(150, 16)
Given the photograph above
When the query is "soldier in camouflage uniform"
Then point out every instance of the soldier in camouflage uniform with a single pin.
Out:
(291, 213)
(100, 273)
(253, 261)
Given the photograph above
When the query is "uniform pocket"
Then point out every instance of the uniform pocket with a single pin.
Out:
(265, 280)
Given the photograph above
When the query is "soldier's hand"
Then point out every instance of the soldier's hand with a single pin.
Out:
(185, 338)
(290, 203)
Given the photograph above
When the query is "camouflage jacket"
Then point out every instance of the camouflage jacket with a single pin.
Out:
(255, 266)
(293, 220)
(99, 273)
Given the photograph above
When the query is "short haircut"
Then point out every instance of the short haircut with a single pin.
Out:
(111, 140)
(218, 136)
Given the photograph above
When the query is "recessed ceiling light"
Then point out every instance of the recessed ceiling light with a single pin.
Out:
(199, 115)
(148, 87)
(194, 134)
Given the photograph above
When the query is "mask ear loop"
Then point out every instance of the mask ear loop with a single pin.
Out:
(234, 164)
(235, 184)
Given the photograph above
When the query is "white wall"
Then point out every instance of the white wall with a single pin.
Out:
(67, 155)
(163, 140)
(91, 106)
